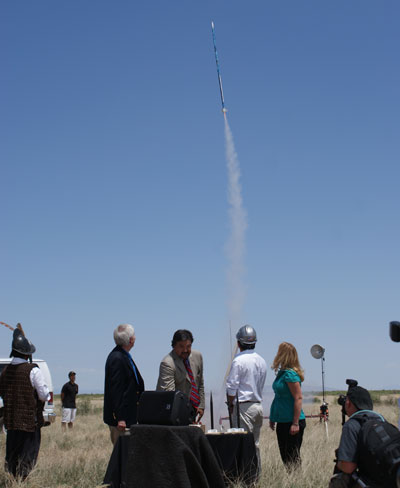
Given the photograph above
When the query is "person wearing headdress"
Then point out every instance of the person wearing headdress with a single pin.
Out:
(24, 391)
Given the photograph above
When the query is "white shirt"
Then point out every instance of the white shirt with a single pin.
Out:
(247, 376)
(37, 380)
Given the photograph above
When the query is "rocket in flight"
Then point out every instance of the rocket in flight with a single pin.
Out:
(224, 110)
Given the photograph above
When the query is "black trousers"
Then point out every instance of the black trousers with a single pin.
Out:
(289, 445)
(22, 449)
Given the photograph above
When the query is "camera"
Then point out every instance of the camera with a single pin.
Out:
(342, 398)
(395, 331)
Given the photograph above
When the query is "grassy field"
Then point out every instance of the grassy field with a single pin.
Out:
(79, 458)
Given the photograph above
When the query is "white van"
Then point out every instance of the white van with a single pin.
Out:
(48, 411)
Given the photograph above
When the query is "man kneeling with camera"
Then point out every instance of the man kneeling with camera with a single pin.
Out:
(369, 449)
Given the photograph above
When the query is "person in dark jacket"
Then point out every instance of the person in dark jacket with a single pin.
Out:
(24, 391)
(123, 384)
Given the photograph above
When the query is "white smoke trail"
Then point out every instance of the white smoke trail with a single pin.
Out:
(236, 242)
(235, 250)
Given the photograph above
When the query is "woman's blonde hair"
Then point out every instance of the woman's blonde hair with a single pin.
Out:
(287, 358)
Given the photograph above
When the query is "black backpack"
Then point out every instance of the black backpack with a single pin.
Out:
(379, 451)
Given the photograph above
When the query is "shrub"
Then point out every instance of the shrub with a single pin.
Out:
(83, 406)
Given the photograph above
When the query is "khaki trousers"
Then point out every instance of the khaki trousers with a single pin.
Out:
(251, 419)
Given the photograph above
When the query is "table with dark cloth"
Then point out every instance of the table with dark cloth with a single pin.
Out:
(236, 455)
(163, 456)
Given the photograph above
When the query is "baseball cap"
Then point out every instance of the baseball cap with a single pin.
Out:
(360, 397)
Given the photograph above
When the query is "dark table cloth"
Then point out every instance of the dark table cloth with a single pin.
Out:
(163, 456)
(236, 455)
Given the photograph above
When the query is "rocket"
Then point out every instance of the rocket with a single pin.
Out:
(224, 110)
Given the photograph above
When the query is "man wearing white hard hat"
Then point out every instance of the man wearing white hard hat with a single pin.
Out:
(246, 382)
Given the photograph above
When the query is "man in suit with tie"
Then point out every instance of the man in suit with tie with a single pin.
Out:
(182, 369)
(123, 384)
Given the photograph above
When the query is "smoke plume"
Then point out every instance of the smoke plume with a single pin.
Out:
(235, 246)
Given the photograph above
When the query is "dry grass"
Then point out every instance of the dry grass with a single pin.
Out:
(79, 458)
(76, 459)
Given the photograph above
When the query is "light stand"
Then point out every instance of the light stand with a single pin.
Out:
(318, 352)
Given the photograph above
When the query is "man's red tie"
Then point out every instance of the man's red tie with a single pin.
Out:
(194, 393)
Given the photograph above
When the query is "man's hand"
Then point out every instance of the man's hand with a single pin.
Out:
(199, 415)
(121, 425)
(230, 400)
(341, 480)
(272, 425)
(346, 466)
(294, 429)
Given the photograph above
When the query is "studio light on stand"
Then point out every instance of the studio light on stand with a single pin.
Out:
(318, 352)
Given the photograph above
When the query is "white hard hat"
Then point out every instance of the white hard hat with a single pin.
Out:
(246, 335)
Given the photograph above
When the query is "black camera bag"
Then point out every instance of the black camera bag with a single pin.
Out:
(379, 451)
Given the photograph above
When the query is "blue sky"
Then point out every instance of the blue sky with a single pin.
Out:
(114, 184)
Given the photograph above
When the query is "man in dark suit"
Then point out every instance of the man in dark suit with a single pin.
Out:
(123, 384)
(182, 369)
